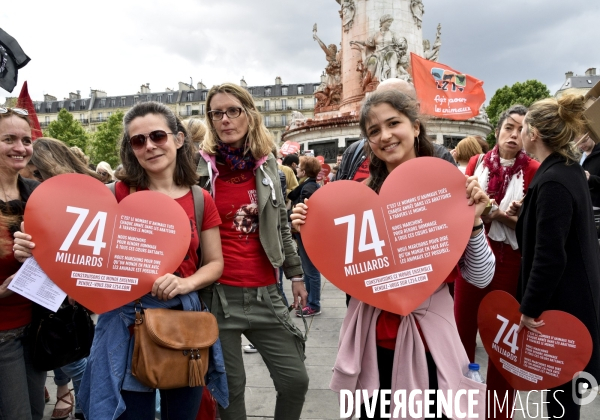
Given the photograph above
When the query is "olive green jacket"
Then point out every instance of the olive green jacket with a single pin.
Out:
(274, 231)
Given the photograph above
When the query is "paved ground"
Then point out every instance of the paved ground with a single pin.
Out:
(321, 348)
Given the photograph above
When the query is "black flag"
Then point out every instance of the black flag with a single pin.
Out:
(12, 58)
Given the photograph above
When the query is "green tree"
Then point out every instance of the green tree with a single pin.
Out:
(524, 93)
(104, 146)
(68, 129)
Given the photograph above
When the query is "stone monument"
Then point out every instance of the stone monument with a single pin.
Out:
(377, 37)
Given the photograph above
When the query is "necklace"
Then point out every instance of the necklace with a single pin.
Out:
(7, 197)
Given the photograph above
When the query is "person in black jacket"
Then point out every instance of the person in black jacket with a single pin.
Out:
(309, 167)
(591, 166)
(560, 256)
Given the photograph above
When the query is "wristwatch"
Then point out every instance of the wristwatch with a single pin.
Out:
(487, 209)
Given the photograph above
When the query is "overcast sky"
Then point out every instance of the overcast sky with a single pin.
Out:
(118, 45)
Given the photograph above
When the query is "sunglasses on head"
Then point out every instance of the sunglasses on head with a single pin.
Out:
(158, 137)
(19, 111)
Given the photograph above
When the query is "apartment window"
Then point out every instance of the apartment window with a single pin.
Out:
(49, 107)
(82, 105)
(113, 102)
(47, 120)
(250, 91)
(108, 114)
(268, 91)
(267, 105)
(71, 106)
(122, 101)
(203, 96)
(300, 103)
(300, 90)
(202, 111)
(190, 96)
(61, 105)
(267, 120)
(81, 117)
(103, 103)
(284, 104)
(169, 98)
(159, 98)
(135, 100)
(188, 110)
(99, 116)
(37, 107)
(148, 98)
(284, 120)
(284, 90)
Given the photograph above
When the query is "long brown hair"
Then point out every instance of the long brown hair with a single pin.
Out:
(407, 106)
(133, 174)
(52, 157)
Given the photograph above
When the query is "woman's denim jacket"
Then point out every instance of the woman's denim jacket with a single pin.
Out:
(109, 364)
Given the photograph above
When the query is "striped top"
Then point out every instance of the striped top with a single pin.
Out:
(478, 263)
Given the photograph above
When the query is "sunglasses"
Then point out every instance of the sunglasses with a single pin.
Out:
(103, 173)
(19, 111)
(158, 137)
(232, 112)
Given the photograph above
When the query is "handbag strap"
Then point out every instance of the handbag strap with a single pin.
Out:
(198, 196)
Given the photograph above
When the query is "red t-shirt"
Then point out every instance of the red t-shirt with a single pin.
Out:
(246, 263)
(362, 172)
(210, 220)
(15, 310)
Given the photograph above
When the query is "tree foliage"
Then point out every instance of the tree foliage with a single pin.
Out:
(68, 129)
(104, 146)
(525, 93)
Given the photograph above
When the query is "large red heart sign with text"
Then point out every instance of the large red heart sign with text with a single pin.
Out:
(289, 148)
(391, 250)
(102, 253)
(526, 360)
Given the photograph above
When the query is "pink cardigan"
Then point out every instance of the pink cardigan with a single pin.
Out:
(356, 363)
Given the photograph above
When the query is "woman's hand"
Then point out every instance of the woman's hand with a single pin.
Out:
(168, 286)
(22, 244)
(531, 324)
(300, 295)
(477, 197)
(298, 215)
(4, 292)
(514, 208)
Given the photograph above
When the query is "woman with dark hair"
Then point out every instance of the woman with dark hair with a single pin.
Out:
(237, 166)
(504, 173)
(382, 350)
(156, 155)
(309, 167)
(21, 385)
(560, 266)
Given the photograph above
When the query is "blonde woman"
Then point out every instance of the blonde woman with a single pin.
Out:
(236, 166)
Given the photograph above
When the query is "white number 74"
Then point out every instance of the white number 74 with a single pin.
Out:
(368, 222)
(98, 220)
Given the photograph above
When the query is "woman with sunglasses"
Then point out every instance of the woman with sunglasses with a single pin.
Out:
(237, 167)
(21, 385)
(382, 350)
(105, 171)
(156, 156)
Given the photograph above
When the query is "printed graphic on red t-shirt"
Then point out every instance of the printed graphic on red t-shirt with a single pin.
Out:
(362, 172)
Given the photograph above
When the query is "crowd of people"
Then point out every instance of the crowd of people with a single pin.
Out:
(533, 236)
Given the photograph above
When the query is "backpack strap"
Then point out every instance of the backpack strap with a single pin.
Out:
(198, 196)
(479, 160)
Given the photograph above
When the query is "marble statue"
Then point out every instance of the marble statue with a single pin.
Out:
(297, 119)
(347, 13)
(417, 9)
(432, 53)
(384, 55)
(329, 93)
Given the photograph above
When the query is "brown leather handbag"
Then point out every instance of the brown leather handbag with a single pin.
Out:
(171, 347)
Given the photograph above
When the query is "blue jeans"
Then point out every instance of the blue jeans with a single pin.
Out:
(72, 371)
(312, 277)
(280, 287)
(175, 404)
(21, 385)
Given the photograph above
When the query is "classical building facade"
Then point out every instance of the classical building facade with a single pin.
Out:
(276, 102)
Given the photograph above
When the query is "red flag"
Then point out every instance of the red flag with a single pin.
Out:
(444, 92)
(25, 102)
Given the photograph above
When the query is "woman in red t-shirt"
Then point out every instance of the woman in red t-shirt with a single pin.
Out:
(156, 153)
(237, 166)
(21, 386)
(394, 357)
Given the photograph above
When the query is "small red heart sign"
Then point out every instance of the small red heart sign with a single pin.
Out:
(391, 250)
(321, 159)
(325, 170)
(526, 360)
(102, 253)
(289, 148)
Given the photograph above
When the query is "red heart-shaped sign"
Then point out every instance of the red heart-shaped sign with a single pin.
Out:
(391, 250)
(526, 360)
(289, 148)
(102, 253)
(325, 170)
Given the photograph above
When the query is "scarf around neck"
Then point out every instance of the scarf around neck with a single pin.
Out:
(235, 157)
(500, 175)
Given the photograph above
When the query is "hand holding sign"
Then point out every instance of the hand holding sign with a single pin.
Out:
(530, 361)
(102, 253)
(391, 250)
